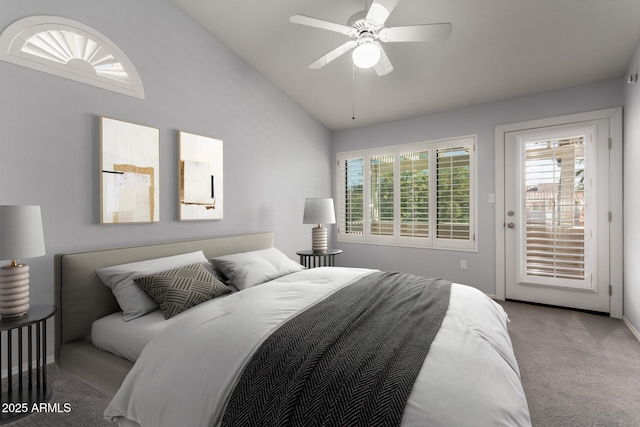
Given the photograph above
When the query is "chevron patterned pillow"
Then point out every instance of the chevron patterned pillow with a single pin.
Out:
(181, 288)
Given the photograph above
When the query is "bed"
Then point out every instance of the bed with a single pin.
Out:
(160, 375)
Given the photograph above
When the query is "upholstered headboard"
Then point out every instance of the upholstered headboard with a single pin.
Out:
(82, 298)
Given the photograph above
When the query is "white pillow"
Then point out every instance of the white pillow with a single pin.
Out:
(248, 269)
(133, 301)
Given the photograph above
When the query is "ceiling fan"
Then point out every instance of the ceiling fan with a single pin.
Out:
(367, 30)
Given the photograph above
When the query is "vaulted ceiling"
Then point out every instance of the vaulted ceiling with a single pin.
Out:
(498, 49)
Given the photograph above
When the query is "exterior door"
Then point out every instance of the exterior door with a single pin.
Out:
(556, 215)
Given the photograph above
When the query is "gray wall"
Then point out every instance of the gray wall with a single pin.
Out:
(632, 195)
(275, 153)
(480, 120)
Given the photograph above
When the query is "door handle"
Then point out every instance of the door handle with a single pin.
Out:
(511, 225)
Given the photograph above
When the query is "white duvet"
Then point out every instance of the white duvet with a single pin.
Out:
(185, 374)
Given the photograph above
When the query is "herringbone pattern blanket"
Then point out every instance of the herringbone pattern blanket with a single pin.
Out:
(350, 360)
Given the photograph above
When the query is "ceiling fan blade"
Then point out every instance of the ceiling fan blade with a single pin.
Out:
(319, 23)
(383, 67)
(416, 33)
(335, 53)
(380, 11)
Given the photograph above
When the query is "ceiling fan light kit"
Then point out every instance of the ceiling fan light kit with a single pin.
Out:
(366, 29)
(366, 54)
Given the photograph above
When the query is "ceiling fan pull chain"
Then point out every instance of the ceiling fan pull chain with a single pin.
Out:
(353, 92)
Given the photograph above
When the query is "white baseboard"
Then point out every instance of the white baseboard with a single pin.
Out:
(632, 328)
(25, 367)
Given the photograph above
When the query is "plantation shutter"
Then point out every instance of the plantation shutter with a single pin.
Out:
(381, 197)
(414, 194)
(350, 203)
(555, 208)
(420, 194)
(453, 193)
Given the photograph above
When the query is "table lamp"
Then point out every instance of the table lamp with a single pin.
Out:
(21, 236)
(319, 211)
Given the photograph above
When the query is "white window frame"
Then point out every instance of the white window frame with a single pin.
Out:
(397, 240)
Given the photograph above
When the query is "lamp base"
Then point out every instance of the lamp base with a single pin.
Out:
(14, 290)
(319, 239)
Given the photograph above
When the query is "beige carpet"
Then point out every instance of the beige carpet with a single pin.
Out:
(577, 369)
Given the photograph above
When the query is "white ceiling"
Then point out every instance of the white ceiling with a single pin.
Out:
(498, 49)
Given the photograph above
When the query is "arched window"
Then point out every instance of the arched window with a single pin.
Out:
(72, 50)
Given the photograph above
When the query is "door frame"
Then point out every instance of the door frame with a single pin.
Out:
(614, 115)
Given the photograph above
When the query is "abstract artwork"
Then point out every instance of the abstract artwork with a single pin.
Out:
(129, 178)
(201, 177)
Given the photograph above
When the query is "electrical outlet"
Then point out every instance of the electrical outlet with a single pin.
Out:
(463, 264)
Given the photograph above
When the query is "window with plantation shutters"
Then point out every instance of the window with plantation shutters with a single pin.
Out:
(381, 195)
(453, 195)
(414, 194)
(420, 194)
(350, 203)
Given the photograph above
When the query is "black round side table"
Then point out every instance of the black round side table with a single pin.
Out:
(17, 400)
(311, 259)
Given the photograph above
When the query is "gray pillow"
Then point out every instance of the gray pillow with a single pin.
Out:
(181, 288)
(132, 300)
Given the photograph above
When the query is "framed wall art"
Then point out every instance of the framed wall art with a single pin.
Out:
(129, 178)
(201, 178)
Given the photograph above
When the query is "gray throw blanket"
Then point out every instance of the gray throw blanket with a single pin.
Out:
(349, 360)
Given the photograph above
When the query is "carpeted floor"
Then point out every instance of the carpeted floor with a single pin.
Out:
(578, 370)
(83, 404)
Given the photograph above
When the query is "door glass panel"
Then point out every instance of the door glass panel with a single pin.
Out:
(554, 237)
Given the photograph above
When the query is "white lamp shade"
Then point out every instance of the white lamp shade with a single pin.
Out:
(319, 211)
(366, 55)
(21, 233)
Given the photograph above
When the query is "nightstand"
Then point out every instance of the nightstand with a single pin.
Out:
(16, 401)
(311, 259)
